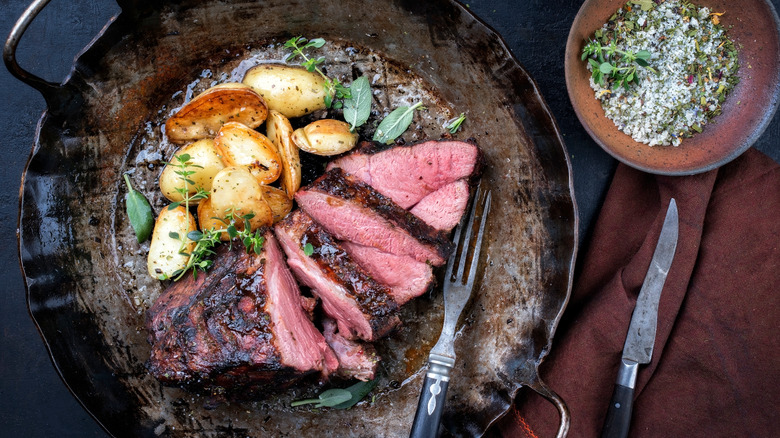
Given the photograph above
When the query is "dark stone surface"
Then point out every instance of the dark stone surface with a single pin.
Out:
(33, 400)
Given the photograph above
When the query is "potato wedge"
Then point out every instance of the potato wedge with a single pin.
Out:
(207, 112)
(293, 91)
(165, 256)
(236, 191)
(279, 131)
(204, 162)
(278, 200)
(208, 220)
(238, 145)
(325, 137)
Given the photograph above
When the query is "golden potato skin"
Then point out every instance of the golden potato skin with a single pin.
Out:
(204, 161)
(238, 145)
(278, 200)
(207, 219)
(292, 91)
(325, 137)
(206, 113)
(235, 190)
(279, 131)
(164, 252)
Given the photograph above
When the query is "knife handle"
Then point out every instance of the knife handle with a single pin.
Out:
(434, 392)
(618, 420)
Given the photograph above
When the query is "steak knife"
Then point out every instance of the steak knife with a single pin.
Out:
(638, 348)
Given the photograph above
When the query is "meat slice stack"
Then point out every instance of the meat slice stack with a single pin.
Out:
(431, 178)
(243, 325)
(364, 241)
(361, 306)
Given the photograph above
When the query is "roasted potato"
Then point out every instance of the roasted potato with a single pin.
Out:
(208, 219)
(278, 200)
(325, 137)
(238, 145)
(236, 191)
(293, 91)
(206, 113)
(165, 252)
(204, 162)
(280, 131)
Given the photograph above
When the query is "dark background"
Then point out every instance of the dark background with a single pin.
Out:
(34, 402)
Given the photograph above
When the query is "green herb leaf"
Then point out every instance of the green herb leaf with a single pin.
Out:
(308, 249)
(395, 123)
(358, 391)
(327, 399)
(606, 68)
(455, 125)
(139, 212)
(357, 107)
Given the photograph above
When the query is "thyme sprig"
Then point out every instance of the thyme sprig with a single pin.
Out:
(619, 67)
(335, 91)
(207, 240)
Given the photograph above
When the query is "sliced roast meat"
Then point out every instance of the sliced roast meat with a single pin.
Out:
(357, 360)
(406, 277)
(407, 174)
(352, 210)
(241, 328)
(363, 307)
(443, 208)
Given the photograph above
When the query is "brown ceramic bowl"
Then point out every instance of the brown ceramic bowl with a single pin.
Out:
(753, 26)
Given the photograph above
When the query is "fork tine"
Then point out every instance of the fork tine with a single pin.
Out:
(478, 243)
(469, 226)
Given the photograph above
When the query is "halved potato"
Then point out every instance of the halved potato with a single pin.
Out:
(165, 252)
(204, 161)
(208, 220)
(279, 131)
(325, 137)
(238, 145)
(206, 113)
(236, 191)
(278, 201)
(293, 91)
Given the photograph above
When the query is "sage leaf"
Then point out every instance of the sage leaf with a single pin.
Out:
(395, 123)
(358, 391)
(139, 212)
(327, 399)
(357, 107)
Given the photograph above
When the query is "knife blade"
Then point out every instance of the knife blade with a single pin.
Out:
(640, 340)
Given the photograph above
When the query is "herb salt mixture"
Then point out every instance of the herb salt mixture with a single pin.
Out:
(687, 66)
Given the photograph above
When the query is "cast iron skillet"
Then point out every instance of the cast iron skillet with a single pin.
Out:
(85, 274)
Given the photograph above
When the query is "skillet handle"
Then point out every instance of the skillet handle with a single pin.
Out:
(555, 399)
(49, 90)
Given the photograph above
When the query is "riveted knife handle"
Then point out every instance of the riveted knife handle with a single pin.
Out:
(618, 419)
(434, 392)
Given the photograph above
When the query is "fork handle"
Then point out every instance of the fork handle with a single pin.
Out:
(434, 392)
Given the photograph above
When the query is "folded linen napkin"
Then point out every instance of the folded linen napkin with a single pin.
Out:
(716, 364)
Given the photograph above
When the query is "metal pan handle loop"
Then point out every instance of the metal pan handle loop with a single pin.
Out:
(555, 399)
(46, 88)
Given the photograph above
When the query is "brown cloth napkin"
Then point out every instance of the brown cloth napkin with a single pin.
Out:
(716, 364)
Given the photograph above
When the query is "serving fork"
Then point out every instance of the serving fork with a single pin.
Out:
(458, 287)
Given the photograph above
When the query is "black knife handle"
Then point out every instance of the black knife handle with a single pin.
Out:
(434, 392)
(618, 419)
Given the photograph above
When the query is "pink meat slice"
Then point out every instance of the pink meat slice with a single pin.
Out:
(406, 277)
(443, 208)
(407, 174)
(353, 211)
(300, 344)
(357, 360)
(362, 306)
